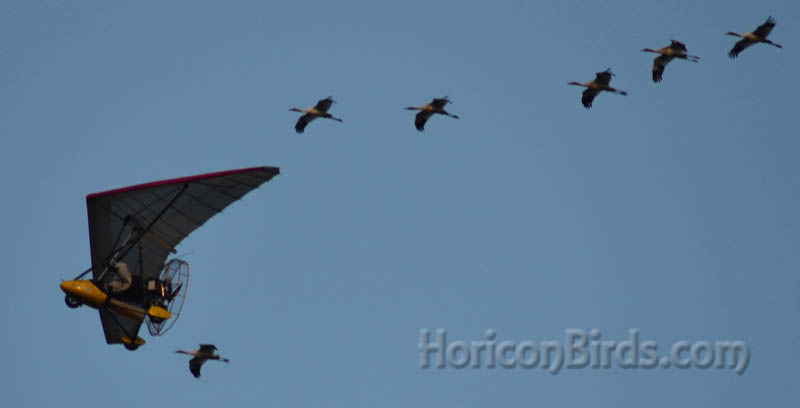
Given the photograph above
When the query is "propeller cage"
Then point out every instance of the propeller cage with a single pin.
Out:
(168, 291)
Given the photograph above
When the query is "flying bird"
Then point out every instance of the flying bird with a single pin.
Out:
(676, 49)
(427, 110)
(205, 352)
(600, 83)
(757, 36)
(320, 110)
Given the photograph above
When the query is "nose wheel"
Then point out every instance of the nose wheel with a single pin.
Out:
(72, 302)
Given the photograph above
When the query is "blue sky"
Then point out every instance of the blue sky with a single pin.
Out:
(672, 210)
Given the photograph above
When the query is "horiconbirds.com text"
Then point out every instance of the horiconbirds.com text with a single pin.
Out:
(578, 349)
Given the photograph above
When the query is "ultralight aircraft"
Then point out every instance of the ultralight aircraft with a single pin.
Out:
(132, 231)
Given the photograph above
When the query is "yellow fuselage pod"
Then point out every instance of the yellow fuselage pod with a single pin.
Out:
(89, 294)
(85, 291)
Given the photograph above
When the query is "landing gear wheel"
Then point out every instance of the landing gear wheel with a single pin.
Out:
(72, 302)
(131, 347)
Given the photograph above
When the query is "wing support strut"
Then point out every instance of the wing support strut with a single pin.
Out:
(129, 244)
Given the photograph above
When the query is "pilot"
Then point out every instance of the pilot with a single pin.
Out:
(123, 279)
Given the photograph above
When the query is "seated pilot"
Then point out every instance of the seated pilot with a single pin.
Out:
(122, 281)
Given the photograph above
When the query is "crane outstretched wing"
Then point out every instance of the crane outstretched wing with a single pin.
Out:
(659, 64)
(764, 29)
(324, 104)
(195, 365)
(421, 118)
(439, 103)
(739, 47)
(588, 96)
(303, 121)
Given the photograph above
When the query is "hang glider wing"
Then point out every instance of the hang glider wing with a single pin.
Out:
(141, 225)
(116, 326)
